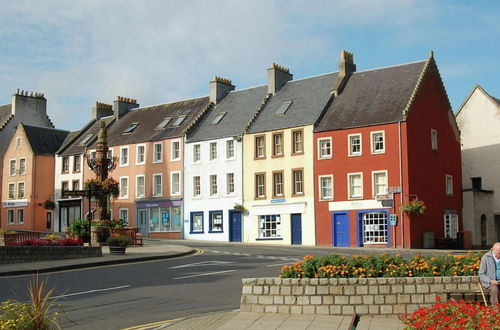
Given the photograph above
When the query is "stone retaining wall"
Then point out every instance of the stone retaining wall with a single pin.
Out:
(18, 254)
(344, 296)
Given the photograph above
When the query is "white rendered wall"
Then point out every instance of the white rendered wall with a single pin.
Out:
(59, 178)
(206, 203)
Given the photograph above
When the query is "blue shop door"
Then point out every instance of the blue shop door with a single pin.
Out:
(340, 227)
(235, 226)
(296, 229)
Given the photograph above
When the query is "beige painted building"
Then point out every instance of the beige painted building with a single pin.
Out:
(479, 119)
(278, 185)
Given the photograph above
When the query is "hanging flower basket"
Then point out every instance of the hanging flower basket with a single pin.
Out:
(414, 206)
(240, 208)
(109, 184)
(49, 205)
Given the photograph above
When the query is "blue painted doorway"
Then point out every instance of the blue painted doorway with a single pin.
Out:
(340, 232)
(235, 226)
(296, 228)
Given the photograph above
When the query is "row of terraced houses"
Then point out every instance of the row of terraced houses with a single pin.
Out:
(325, 160)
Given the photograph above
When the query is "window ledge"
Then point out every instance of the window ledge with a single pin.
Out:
(215, 232)
(269, 239)
(196, 232)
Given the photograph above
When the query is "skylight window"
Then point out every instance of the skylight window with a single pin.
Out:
(131, 128)
(86, 139)
(179, 120)
(284, 107)
(219, 117)
(164, 123)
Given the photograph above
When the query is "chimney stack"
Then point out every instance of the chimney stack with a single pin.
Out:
(277, 77)
(219, 87)
(346, 68)
(122, 105)
(101, 110)
(30, 104)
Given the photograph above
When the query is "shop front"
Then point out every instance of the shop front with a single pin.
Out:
(160, 218)
(69, 211)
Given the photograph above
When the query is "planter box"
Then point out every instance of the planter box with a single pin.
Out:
(344, 296)
(17, 254)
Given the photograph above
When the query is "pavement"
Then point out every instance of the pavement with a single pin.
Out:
(155, 249)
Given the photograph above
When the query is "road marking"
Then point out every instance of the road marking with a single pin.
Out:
(91, 291)
(152, 325)
(205, 274)
(204, 263)
(273, 265)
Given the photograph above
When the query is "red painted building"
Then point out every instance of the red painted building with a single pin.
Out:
(388, 137)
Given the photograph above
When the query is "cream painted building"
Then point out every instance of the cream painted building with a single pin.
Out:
(278, 160)
(479, 119)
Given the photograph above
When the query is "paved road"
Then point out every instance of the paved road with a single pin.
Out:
(116, 297)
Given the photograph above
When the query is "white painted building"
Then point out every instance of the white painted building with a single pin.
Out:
(479, 120)
(213, 169)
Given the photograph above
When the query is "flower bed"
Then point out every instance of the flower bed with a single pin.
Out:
(48, 242)
(383, 265)
(453, 315)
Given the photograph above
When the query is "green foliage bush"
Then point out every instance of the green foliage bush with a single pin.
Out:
(80, 228)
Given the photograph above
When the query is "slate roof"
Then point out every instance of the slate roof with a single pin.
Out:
(150, 117)
(74, 146)
(44, 140)
(373, 97)
(309, 96)
(239, 106)
(5, 113)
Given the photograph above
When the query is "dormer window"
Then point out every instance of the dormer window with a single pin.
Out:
(131, 128)
(164, 123)
(86, 139)
(284, 107)
(178, 121)
(219, 117)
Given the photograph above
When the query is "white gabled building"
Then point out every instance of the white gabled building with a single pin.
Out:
(479, 119)
(213, 175)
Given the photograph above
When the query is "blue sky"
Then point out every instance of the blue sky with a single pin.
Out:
(80, 52)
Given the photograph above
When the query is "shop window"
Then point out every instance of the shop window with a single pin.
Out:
(374, 227)
(270, 226)
(215, 221)
(196, 222)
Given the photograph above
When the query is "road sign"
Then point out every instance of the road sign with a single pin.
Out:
(388, 202)
(394, 219)
(394, 190)
(382, 197)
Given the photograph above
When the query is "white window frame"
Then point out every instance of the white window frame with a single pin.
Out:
(19, 211)
(212, 153)
(230, 187)
(172, 192)
(157, 159)
(349, 144)
(448, 179)
(196, 153)
(11, 184)
(372, 142)
(137, 162)
(172, 150)
(268, 232)
(230, 150)
(196, 187)
(122, 163)
(10, 216)
(278, 187)
(120, 185)
(320, 149)
(63, 164)
(434, 139)
(18, 143)
(19, 170)
(295, 182)
(212, 192)
(375, 223)
(321, 178)
(450, 225)
(75, 157)
(137, 194)
(350, 188)
(18, 189)
(260, 187)
(155, 192)
(12, 172)
(122, 209)
(374, 194)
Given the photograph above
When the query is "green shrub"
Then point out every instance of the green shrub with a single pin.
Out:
(383, 265)
(119, 240)
(80, 228)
